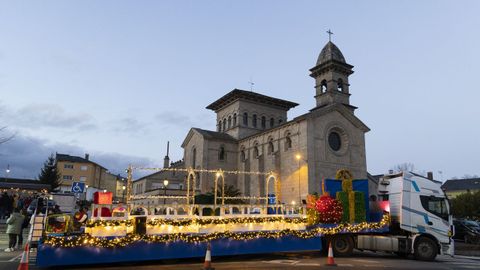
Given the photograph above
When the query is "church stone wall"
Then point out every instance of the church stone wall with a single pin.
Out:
(239, 107)
(324, 162)
(282, 161)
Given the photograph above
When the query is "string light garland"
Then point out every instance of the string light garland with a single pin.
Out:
(111, 223)
(86, 240)
(200, 170)
(239, 220)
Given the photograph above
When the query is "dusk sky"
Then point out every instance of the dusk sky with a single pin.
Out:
(118, 79)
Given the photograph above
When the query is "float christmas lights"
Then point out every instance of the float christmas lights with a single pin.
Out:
(239, 220)
(91, 241)
(111, 223)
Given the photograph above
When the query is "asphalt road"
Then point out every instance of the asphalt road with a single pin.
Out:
(359, 261)
(306, 260)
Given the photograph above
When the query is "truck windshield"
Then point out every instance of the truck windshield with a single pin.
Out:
(435, 205)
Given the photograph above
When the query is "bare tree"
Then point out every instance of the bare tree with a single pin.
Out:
(408, 167)
(5, 138)
(404, 167)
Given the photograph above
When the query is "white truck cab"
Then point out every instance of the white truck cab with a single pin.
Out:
(420, 211)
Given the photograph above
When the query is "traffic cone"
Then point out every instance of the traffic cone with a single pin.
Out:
(24, 261)
(207, 265)
(330, 260)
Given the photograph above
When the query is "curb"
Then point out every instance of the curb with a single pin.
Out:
(467, 257)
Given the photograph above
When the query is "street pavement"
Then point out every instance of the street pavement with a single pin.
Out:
(303, 260)
(9, 260)
(306, 260)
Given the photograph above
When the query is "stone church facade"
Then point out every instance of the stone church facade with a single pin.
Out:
(254, 135)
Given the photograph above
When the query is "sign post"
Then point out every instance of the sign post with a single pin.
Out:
(78, 187)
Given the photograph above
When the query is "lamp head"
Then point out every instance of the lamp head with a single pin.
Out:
(165, 183)
(298, 156)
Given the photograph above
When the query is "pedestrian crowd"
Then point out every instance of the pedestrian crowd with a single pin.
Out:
(13, 208)
(9, 202)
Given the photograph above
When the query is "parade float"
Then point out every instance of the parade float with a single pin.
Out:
(135, 233)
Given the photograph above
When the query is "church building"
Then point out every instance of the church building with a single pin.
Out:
(254, 134)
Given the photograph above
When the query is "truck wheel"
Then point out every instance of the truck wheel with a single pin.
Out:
(425, 249)
(342, 245)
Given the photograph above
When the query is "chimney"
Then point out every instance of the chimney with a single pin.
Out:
(430, 175)
(166, 160)
(87, 156)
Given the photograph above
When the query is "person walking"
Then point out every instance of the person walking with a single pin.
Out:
(3, 205)
(14, 228)
(25, 223)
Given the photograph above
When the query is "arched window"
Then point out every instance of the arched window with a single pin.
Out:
(242, 155)
(340, 85)
(194, 157)
(272, 122)
(221, 153)
(229, 122)
(255, 151)
(264, 120)
(234, 119)
(288, 142)
(245, 119)
(254, 120)
(323, 86)
(270, 147)
(224, 125)
(219, 126)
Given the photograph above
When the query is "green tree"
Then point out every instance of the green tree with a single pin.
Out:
(49, 174)
(466, 205)
(230, 191)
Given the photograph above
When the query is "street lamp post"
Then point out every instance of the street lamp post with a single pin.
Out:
(123, 193)
(86, 192)
(298, 157)
(165, 184)
(7, 171)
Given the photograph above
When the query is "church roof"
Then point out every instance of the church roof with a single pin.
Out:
(69, 158)
(330, 52)
(462, 184)
(208, 134)
(236, 94)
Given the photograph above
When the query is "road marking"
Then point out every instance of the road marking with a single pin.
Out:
(466, 257)
(364, 261)
(345, 265)
(308, 264)
(282, 261)
(15, 258)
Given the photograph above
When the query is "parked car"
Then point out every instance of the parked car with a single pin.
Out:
(467, 230)
(33, 205)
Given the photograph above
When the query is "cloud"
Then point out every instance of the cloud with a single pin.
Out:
(26, 156)
(51, 115)
(180, 120)
(35, 116)
(129, 125)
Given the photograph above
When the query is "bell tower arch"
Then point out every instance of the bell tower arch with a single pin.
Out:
(331, 77)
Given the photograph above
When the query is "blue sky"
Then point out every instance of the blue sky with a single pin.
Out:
(117, 79)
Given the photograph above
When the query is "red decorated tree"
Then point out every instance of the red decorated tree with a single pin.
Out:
(329, 209)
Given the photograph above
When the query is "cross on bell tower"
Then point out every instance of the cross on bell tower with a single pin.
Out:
(330, 33)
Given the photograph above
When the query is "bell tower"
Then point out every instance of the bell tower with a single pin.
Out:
(331, 77)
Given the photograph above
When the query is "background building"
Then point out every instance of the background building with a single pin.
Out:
(253, 134)
(455, 187)
(82, 169)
